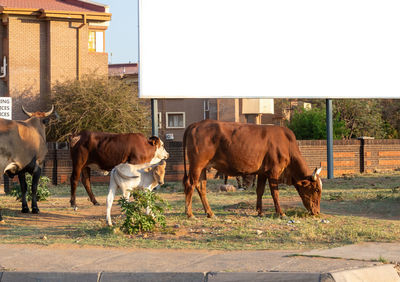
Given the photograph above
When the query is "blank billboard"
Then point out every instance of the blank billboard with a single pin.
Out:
(269, 49)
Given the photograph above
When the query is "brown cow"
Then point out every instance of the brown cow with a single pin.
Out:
(99, 150)
(238, 149)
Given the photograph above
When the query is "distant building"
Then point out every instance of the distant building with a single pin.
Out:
(128, 71)
(176, 114)
(44, 41)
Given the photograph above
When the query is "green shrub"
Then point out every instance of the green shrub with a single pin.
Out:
(311, 124)
(136, 218)
(42, 189)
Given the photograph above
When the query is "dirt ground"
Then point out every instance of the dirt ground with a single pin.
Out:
(57, 212)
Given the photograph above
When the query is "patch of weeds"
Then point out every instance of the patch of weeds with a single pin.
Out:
(383, 260)
(395, 190)
(43, 191)
(380, 196)
(297, 212)
(138, 219)
(338, 196)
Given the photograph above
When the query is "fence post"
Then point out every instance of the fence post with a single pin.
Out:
(362, 153)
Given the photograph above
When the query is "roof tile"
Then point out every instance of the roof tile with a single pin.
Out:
(54, 5)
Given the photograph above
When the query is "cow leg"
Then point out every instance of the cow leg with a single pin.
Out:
(202, 190)
(110, 198)
(86, 183)
(35, 181)
(189, 188)
(239, 184)
(76, 172)
(24, 188)
(273, 186)
(261, 180)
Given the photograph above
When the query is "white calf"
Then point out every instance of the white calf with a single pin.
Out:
(128, 177)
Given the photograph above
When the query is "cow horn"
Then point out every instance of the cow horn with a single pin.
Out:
(46, 114)
(316, 172)
(29, 114)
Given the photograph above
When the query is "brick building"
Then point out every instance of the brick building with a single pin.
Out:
(44, 41)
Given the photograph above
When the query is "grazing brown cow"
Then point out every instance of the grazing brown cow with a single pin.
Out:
(99, 150)
(238, 149)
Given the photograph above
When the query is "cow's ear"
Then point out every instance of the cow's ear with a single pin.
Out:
(153, 140)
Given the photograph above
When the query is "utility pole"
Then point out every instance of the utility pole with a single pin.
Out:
(329, 137)
(154, 117)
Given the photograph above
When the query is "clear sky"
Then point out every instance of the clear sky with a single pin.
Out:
(122, 34)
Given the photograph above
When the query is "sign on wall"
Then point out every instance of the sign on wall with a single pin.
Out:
(6, 107)
(269, 49)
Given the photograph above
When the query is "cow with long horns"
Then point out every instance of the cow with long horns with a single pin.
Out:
(23, 149)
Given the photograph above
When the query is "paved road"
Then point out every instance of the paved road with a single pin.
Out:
(96, 260)
(92, 259)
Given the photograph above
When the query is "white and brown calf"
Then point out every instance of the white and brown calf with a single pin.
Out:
(128, 177)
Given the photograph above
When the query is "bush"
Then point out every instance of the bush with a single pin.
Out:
(42, 190)
(136, 218)
(98, 104)
(311, 125)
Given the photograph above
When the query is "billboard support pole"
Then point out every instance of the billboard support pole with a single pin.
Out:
(154, 117)
(329, 137)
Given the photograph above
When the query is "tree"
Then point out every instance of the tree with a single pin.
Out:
(391, 116)
(311, 124)
(98, 104)
(362, 117)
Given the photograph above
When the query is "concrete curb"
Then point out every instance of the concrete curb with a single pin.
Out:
(384, 273)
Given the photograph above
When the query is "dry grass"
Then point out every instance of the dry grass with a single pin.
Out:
(356, 209)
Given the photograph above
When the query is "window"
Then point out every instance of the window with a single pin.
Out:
(96, 41)
(175, 120)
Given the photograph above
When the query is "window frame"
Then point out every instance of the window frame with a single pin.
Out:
(173, 127)
(159, 119)
(103, 44)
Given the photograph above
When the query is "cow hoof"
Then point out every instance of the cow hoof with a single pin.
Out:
(25, 210)
(96, 204)
(75, 208)
(35, 210)
(211, 215)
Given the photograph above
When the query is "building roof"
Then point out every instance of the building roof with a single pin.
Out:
(123, 69)
(56, 5)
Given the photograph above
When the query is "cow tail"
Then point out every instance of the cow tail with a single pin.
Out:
(185, 181)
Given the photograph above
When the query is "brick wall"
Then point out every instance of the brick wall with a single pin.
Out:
(40, 53)
(350, 157)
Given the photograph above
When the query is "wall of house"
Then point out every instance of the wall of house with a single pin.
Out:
(26, 62)
(194, 111)
(3, 52)
(350, 157)
(42, 52)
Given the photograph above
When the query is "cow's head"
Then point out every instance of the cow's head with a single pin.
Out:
(310, 190)
(160, 152)
(43, 116)
(158, 174)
